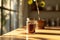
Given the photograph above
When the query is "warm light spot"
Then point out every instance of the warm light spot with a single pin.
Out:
(12, 13)
(34, 0)
(0, 2)
(20, 0)
(7, 17)
(21, 3)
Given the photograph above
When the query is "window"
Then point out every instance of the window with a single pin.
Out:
(6, 21)
(14, 4)
(8, 15)
(14, 20)
(0, 2)
(0, 21)
(6, 4)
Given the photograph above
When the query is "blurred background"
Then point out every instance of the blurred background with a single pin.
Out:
(13, 13)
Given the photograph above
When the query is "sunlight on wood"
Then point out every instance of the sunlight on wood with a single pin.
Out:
(21, 33)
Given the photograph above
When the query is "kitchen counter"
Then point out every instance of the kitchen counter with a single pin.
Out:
(40, 34)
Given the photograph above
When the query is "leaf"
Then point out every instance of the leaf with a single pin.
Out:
(4, 1)
(30, 2)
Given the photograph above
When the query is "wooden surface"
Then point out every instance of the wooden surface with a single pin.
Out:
(40, 34)
(53, 27)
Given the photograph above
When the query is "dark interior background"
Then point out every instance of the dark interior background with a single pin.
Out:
(43, 14)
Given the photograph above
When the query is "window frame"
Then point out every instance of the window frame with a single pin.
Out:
(10, 10)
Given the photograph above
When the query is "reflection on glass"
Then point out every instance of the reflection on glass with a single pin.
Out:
(0, 2)
(14, 4)
(10, 5)
(6, 21)
(14, 20)
(6, 3)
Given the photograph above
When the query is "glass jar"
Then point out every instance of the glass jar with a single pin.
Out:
(31, 25)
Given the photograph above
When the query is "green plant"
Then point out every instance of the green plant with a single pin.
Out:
(4, 16)
(5, 2)
(4, 19)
